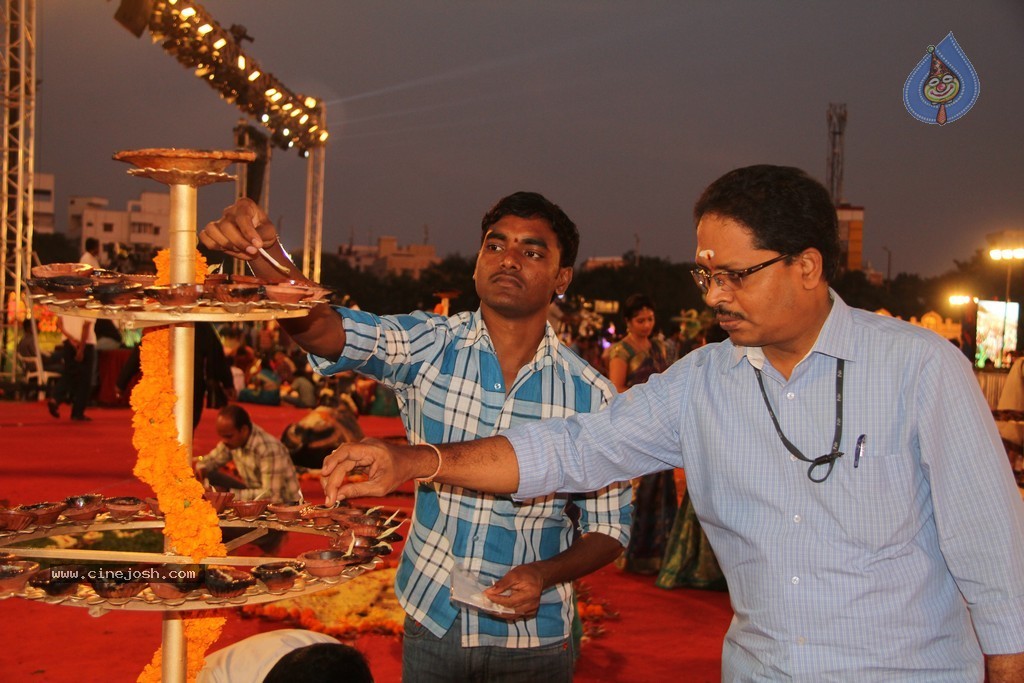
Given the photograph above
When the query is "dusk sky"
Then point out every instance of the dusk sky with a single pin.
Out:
(619, 111)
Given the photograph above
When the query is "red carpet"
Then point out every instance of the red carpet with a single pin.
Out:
(659, 635)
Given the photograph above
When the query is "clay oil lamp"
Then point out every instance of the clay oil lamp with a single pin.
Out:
(45, 513)
(244, 280)
(279, 576)
(249, 509)
(228, 582)
(83, 508)
(124, 507)
(361, 525)
(106, 277)
(232, 293)
(325, 563)
(57, 269)
(361, 548)
(68, 287)
(154, 506)
(117, 293)
(175, 581)
(14, 574)
(218, 499)
(16, 520)
(117, 584)
(320, 515)
(175, 296)
(37, 285)
(342, 511)
(58, 581)
(288, 292)
(286, 512)
(144, 279)
(214, 279)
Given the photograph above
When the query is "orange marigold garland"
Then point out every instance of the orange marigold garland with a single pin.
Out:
(200, 634)
(191, 526)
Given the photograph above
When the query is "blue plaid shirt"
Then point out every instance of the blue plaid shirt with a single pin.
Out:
(902, 569)
(450, 388)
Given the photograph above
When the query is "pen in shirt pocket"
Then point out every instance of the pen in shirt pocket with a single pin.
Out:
(858, 451)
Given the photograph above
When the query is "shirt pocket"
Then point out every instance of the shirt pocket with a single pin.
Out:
(874, 503)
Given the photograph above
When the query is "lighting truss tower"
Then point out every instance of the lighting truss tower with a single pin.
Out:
(18, 100)
(312, 246)
(834, 168)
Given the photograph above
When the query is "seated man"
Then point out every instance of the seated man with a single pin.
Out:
(263, 387)
(263, 462)
(322, 430)
(297, 388)
(288, 654)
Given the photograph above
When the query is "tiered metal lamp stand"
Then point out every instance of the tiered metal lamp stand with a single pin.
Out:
(184, 171)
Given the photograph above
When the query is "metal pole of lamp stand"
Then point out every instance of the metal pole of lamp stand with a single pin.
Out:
(174, 664)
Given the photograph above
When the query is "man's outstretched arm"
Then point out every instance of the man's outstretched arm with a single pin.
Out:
(241, 231)
(488, 465)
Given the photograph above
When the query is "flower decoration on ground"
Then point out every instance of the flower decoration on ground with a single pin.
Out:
(351, 609)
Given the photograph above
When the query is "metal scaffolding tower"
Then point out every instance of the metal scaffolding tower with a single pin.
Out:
(834, 168)
(18, 100)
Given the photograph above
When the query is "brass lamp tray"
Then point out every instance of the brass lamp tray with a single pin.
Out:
(146, 600)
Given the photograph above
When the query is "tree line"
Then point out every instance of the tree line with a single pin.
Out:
(669, 284)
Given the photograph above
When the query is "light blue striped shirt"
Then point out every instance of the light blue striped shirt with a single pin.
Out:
(450, 387)
(893, 571)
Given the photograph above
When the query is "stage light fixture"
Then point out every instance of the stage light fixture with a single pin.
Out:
(189, 33)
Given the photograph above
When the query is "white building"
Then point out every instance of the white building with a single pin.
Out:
(43, 203)
(139, 229)
(388, 257)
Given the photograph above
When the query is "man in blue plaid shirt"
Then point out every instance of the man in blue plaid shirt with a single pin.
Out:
(463, 377)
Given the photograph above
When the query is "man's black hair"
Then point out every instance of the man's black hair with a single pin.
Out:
(785, 209)
(534, 205)
(321, 663)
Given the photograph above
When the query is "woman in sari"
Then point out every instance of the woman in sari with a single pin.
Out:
(630, 362)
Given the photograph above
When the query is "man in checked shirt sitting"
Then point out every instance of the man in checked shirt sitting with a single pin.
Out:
(462, 377)
(264, 464)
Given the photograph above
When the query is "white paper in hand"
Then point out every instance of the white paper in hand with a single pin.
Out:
(467, 590)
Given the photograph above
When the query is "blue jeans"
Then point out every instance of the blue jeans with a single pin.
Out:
(429, 659)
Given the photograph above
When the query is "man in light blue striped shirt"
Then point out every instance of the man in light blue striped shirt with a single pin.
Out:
(844, 465)
(467, 376)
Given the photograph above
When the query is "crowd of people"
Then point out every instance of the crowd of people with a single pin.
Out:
(898, 554)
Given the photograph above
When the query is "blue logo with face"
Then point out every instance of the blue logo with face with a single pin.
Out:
(943, 86)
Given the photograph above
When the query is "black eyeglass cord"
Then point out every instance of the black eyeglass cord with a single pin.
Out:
(835, 454)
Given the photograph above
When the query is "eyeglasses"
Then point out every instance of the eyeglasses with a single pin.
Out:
(728, 280)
